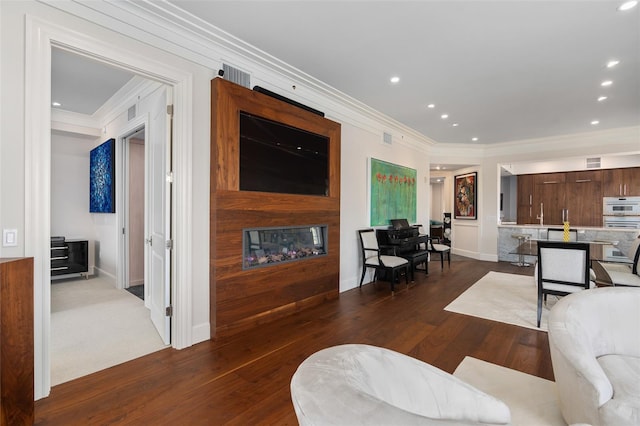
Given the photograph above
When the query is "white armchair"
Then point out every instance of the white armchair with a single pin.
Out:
(594, 337)
(367, 385)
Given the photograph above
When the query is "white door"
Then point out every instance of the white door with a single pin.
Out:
(158, 214)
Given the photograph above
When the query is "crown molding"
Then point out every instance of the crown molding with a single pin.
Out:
(165, 26)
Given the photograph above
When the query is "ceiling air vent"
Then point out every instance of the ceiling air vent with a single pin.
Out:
(593, 163)
(235, 75)
(387, 138)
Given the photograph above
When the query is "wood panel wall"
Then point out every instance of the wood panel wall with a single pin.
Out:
(244, 299)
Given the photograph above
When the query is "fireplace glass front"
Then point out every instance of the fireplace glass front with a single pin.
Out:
(272, 246)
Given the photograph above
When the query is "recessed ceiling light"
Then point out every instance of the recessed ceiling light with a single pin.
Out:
(602, 98)
(595, 122)
(455, 124)
(395, 79)
(431, 106)
(474, 139)
(627, 5)
(56, 104)
(606, 83)
(444, 116)
(612, 63)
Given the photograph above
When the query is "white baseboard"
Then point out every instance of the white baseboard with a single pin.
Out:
(200, 333)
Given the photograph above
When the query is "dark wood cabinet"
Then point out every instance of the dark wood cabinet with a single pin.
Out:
(579, 192)
(16, 341)
(621, 182)
(525, 200)
(583, 197)
(69, 257)
(549, 197)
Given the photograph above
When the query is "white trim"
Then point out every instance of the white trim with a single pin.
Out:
(122, 152)
(41, 36)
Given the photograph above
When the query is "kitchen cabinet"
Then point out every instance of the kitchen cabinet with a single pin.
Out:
(583, 198)
(525, 200)
(549, 197)
(621, 182)
(580, 192)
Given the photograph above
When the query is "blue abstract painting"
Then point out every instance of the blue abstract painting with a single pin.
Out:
(102, 178)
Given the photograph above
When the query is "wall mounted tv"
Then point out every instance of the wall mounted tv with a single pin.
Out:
(275, 157)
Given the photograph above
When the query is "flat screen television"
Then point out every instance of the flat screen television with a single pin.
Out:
(276, 157)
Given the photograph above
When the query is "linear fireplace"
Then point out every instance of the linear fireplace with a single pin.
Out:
(269, 246)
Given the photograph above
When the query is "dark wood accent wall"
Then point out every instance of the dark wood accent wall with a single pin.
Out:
(244, 299)
(16, 341)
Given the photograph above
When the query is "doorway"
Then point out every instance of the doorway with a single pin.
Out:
(94, 318)
(42, 36)
(134, 210)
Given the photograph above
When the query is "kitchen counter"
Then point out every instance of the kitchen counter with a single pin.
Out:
(507, 244)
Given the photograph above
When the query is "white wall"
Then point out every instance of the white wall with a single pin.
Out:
(358, 145)
(70, 215)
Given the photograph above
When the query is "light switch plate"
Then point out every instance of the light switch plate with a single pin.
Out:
(9, 237)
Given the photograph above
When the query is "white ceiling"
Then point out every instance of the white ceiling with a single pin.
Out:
(502, 70)
(82, 84)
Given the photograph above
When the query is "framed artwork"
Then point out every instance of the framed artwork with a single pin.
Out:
(392, 191)
(465, 196)
(102, 178)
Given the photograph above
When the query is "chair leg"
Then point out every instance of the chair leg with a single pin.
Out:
(449, 258)
(540, 309)
(441, 260)
(364, 270)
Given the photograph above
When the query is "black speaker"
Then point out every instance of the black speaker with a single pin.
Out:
(447, 228)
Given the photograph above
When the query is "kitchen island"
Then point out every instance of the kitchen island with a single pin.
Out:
(508, 245)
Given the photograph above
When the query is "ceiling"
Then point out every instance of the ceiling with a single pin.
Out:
(501, 70)
(82, 84)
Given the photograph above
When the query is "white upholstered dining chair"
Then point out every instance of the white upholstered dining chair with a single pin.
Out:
(562, 268)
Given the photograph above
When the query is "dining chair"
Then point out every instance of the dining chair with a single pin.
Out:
(434, 245)
(373, 258)
(562, 268)
(625, 274)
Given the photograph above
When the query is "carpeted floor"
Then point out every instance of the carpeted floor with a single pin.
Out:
(95, 326)
(503, 297)
(532, 400)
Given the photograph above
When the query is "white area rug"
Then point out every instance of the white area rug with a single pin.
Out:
(95, 326)
(504, 297)
(533, 401)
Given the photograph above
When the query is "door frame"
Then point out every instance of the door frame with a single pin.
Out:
(40, 37)
(122, 195)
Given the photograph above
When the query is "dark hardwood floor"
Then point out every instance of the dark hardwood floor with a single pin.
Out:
(245, 379)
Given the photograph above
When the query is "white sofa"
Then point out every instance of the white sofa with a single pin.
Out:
(594, 336)
(368, 385)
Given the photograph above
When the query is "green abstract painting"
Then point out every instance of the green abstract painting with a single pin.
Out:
(393, 192)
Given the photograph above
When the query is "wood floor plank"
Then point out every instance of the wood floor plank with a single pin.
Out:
(244, 379)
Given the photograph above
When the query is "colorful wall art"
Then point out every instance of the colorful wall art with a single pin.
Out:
(102, 178)
(393, 192)
(465, 197)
